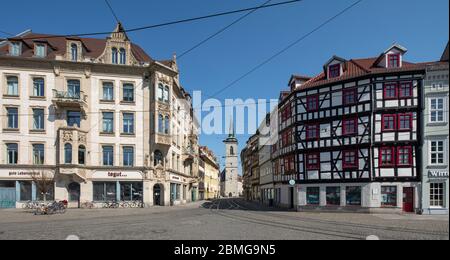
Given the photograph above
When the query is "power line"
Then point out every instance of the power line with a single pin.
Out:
(112, 11)
(288, 47)
(167, 23)
(221, 31)
(6, 33)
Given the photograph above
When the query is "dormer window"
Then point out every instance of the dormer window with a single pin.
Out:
(40, 50)
(334, 71)
(74, 52)
(123, 56)
(393, 60)
(114, 56)
(15, 49)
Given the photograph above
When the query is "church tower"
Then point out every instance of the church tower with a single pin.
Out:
(230, 174)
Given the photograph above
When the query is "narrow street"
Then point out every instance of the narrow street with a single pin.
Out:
(227, 219)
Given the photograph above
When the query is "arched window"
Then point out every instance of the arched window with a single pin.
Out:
(159, 158)
(74, 52)
(167, 125)
(114, 56)
(166, 94)
(231, 150)
(123, 56)
(81, 155)
(161, 124)
(68, 154)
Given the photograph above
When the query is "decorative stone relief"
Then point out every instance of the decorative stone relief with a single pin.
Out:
(82, 138)
(67, 136)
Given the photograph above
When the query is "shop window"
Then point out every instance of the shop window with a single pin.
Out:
(131, 191)
(25, 191)
(49, 196)
(333, 196)
(437, 195)
(313, 196)
(353, 195)
(389, 196)
(105, 191)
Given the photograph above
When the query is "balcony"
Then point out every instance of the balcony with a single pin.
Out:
(189, 153)
(163, 139)
(63, 99)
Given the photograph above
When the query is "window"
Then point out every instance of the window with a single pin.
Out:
(387, 156)
(388, 123)
(38, 87)
(128, 123)
(81, 155)
(437, 195)
(349, 126)
(16, 49)
(68, 154)
(350, 96)
(350, 160)
(108, 91)
(13, 86)
(12, 152)
(313, 196)
(313, 161)
(390, 91)
(108, 156)
(405, 90)
(405, 122)
(333, 196)
(108, 122)
(312, 103)
(105, 191)
(231, 150)
(161, 124)
(38, 119)
(160, 93)
(389, 196)
(13, 117)
(393, 60)
(38, 154)
(114, 56)
(404, 156)
(74, 52)
(437, 152)
(437, 110)
(73, 118)
(123, 56)
(40, 50)
(73, 89)
(159, 158)
(128, 92)
(334, 71)
(128, 156)
(25, 191)
(131, 191)
(353, 196)
(167, 125)
(166, 94)
(313, 132)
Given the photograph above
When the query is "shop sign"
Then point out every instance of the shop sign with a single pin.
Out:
(18, 174)
(438, 174)
(175, 178)
(117, 175)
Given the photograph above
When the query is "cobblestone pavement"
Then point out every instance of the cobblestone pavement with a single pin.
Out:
(228, 219)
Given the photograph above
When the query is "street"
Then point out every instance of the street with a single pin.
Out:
(227, 219)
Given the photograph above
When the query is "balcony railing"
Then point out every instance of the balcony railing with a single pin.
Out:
(67, 98)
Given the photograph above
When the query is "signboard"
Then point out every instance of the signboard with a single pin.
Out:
(292, 182)
(117, 175)
(175, 178)
(22, 174)
(437, 175)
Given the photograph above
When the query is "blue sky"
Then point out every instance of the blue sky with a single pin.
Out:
(365, 31)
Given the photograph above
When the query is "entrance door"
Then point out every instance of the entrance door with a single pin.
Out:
(157, 195)
(291, 197)
(408, 200)
(7, 198)
(74, 194)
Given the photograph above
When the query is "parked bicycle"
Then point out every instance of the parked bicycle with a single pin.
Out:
(52, 208)
(30, 205)
(87, 205)
(110, 205)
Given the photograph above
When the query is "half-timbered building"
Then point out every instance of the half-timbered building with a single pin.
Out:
(349, 137)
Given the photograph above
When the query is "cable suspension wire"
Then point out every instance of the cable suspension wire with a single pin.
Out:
(168, 23)
(112, 11)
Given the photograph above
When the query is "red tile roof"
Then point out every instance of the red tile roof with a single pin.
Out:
(93, 48)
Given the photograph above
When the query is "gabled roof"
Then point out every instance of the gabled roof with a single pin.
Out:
(333, 59)
(399, 47)
(298, 77)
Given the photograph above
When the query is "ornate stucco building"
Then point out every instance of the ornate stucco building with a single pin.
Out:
(100, 116)
(209, 183)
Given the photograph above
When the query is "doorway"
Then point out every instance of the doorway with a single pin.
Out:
(157, 195)
(291, 197)
(74, 191)
(408, 200)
